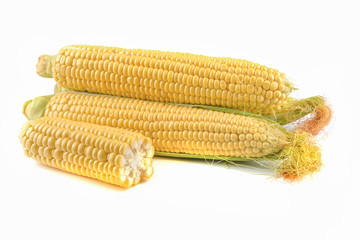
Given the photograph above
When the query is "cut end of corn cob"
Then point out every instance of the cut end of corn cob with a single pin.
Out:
(111, 155)
(301, 157)
(44, 66)
(34, 109)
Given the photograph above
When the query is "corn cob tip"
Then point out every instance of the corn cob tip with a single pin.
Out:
(301, 157)
(44, 66)
(34, 109)
(25, 106)
(60, 89)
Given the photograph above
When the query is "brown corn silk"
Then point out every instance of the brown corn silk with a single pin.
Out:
(318, 120)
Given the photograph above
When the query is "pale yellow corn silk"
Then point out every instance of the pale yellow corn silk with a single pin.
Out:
(108, 154)
(300, 157)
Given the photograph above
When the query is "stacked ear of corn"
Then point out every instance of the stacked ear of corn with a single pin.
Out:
(186, 131)
(111, 155)
(183, 78)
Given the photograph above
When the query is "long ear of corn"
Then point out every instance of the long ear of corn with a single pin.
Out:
(111, 155)
(316, 106)
(169, 77)
(177, 129)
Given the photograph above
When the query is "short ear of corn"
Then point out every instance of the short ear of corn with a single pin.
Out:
(111, 155)
(169, 77)
(179, 129)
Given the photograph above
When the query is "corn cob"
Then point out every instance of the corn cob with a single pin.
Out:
(180, 130)
(170, 77)
(111, 155)
(320, 113)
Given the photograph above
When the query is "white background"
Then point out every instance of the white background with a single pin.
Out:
(314, 42)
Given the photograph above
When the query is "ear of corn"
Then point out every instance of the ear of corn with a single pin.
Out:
(180, 129)
(315, 106)
(111, 155)
(169, 77)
